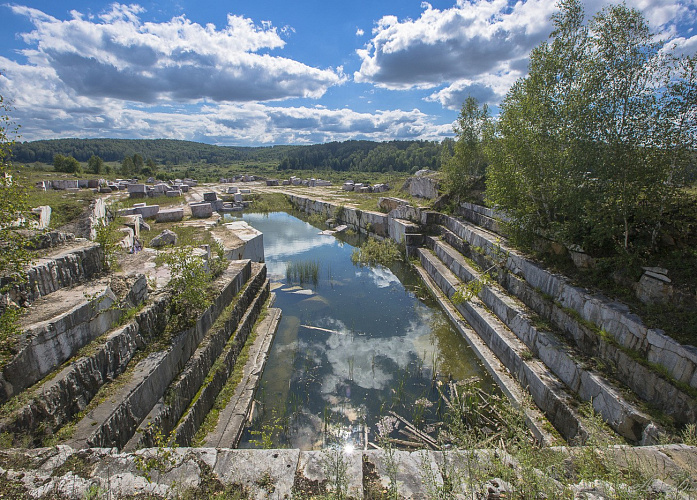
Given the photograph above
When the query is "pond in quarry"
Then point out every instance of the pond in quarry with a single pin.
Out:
(352, 345)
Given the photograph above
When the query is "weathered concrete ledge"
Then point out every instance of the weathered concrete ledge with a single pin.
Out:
(113, 422)
(169, 409)
(489, 219)
(49, 342)
(232, 419)
(197, 412)
(363, 221)
(546, 390)
(62, 472)
(66, 269)
(536, 421)
(52, 403)
(614, 318)
(620, 414)
(646, 383)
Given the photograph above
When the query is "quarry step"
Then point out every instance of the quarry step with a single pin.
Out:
(187, 385)
(625, 328)
(564, 360)
(63, 472)
(233, 417)
(51, 404)
(57, 268)
(535, 419)
(647, 383)
(548, 392)
(114, 420)
(58, 325)
(202, 405)
(482, 217)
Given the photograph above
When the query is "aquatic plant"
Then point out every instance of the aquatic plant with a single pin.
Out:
(305, 271)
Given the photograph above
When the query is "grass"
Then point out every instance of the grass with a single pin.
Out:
(65, 207)
(270, 202)
(228, 390)
(193, 236)
(304, 271)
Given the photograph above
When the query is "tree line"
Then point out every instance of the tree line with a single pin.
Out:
(340, 156)
(595, 145)
(165, 151)
(364, 156)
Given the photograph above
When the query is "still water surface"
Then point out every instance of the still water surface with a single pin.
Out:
(357, 343)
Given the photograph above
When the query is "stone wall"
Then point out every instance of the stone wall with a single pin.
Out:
(614, 318)
(63, 472)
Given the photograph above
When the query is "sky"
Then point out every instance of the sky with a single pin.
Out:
(265, 72)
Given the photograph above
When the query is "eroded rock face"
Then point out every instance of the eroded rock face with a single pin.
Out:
(166, 237)
(655, 286)
(425, 185)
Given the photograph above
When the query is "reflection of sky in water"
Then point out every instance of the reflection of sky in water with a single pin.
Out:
(377, 334)
(381, 276)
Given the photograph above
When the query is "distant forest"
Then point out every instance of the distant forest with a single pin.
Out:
(366, 156)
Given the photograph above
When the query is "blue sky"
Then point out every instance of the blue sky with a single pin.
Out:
(273, 72)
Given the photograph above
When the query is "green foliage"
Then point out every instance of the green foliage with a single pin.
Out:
(108, 236)
(335, 467)
(163, 459)
(270, 432)
(14, 254)
(592, 145)
(689, 435)
(470, 289)
(376, 252)
(128, 168)
(66, 164)
(218, 263)
(189, 284)
(270, 202)
(363, 156)
(9, 332)
(468, 159)
(96, 165)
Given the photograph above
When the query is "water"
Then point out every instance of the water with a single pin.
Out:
(355, 344)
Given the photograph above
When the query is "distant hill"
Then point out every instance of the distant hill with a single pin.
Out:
(341, 156)
(167, 151)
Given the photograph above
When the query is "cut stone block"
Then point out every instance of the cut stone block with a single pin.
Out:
(148, 211)
(170, 215)
(201, 210)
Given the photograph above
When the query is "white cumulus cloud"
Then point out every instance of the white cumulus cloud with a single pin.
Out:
(120, 57)
(480, 47)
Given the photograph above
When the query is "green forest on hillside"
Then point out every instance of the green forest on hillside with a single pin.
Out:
(364, 156)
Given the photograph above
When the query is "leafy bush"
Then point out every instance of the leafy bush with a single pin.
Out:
(374, 252)
(189, 285)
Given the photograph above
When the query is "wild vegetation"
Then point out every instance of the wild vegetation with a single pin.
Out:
(14, 254)
(595, 149)
(373, 252)
(595, 145)
(359, 156)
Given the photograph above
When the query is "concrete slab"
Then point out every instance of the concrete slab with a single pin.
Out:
(253, 242)
(170, 215)
(201, 210)
(270, 474)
